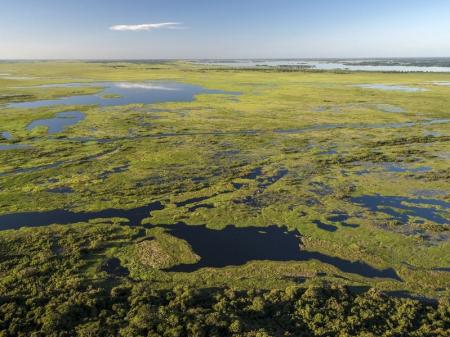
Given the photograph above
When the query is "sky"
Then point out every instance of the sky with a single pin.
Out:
(193, 29)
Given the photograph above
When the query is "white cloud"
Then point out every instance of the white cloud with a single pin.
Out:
(146, 86)
(146, 26)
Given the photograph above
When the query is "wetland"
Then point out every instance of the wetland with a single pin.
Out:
(175, 174)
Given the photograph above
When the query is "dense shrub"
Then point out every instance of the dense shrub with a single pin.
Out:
(139, 310)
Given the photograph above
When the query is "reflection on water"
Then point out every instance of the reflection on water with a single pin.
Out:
(123, 93)
(233, 246)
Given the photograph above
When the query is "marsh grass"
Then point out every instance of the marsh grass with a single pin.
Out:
(221, 139)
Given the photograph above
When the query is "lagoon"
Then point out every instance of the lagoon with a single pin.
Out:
(124, 93)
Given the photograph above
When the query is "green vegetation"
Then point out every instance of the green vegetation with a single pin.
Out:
(293, 149)
(136, 310)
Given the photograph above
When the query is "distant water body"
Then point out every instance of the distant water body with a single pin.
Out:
(383, 65)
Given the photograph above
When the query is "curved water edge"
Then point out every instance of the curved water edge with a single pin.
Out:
(65, 217)
(402, 209)
(235, 246)
(231, 246)
(112, 94)
(124, 93)
(59, 123)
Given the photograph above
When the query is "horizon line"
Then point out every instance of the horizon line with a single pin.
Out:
(224, 59)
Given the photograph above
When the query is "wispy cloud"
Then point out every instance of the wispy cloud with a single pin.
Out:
(147, 26)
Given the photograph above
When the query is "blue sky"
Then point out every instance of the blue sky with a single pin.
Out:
(224, 28)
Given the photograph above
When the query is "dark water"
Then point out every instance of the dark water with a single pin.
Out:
(255, 173)
(59, 123)
(342, 219)
(126, 93)
(396, 168)
(350, 225)
(237, 186)
(64, 217)
(401, 208)
(338, 218)
(61, 190)
(264, 182)
(324, 226)
(233, 246)
(199, 179)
